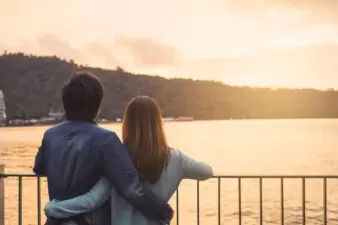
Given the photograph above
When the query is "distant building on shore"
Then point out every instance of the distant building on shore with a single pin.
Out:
(56, 114)
(2, 108)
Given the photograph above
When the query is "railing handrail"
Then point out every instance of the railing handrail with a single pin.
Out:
(4, 175)
(239, 178)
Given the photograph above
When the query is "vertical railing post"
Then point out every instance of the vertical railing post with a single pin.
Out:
(20, 201)
(39, 199)
(239, 200)
(219, 200)
(198, 202)
(304, 200)
(325, 199)
(282, 200)
(177, 208)
(2, 195)
(261, 200)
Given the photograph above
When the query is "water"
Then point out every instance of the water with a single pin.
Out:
(255, 147)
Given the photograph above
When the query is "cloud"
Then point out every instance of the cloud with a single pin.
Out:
(46, 44)
(127, 52)
(147, 52)
(213, 29)
(52, 44)
(135, 52)
(314, 11)
(307, 66)
(104, 53)
(319, 11)
(131, 53)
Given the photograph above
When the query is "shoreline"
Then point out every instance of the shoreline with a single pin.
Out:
(173, 121)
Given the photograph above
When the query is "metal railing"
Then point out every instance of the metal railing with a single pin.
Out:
(219, 179)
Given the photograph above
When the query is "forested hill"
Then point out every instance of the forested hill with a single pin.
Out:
(32, 86)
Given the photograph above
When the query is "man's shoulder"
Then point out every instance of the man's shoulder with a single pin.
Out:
(54, 128)
(104, 136)
(103, 132)
(88, 127)
(90, 131)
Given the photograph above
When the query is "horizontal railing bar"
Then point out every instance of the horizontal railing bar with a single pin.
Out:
(222, 176)
(18, 175)
(219, 178)
(277, 176)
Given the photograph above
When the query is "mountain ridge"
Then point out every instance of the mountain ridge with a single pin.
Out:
(32, 86)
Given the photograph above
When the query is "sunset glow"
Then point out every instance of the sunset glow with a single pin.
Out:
(240, 42)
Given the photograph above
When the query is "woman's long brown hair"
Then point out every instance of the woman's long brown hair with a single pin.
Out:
(144, 137)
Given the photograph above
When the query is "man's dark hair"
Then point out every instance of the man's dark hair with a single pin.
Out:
(82, 96)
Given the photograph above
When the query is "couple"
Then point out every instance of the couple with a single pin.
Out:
(95, 179)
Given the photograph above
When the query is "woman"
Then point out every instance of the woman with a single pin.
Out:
(160, 167)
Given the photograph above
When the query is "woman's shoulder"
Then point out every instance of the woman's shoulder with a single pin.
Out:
(177, 156)
(175, 153)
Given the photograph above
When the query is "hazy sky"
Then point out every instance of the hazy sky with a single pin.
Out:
(290, 43)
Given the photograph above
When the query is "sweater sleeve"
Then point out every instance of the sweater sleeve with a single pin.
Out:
(87, 202)
(194, 169)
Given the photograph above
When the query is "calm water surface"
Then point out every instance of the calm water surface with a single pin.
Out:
(255, 147)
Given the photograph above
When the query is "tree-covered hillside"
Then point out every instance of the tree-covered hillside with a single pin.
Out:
(32, 87)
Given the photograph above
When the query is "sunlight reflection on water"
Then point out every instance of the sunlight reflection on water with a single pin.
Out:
(260, 147)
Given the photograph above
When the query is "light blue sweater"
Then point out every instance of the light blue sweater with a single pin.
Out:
(180, 167)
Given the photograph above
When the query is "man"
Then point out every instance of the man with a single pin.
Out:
(76, 153)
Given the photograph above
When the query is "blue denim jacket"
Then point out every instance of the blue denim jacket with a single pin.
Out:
(75, 155)
(180, 167)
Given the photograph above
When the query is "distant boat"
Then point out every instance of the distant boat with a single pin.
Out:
(167, 119)
(103, 120)
(185, 118)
